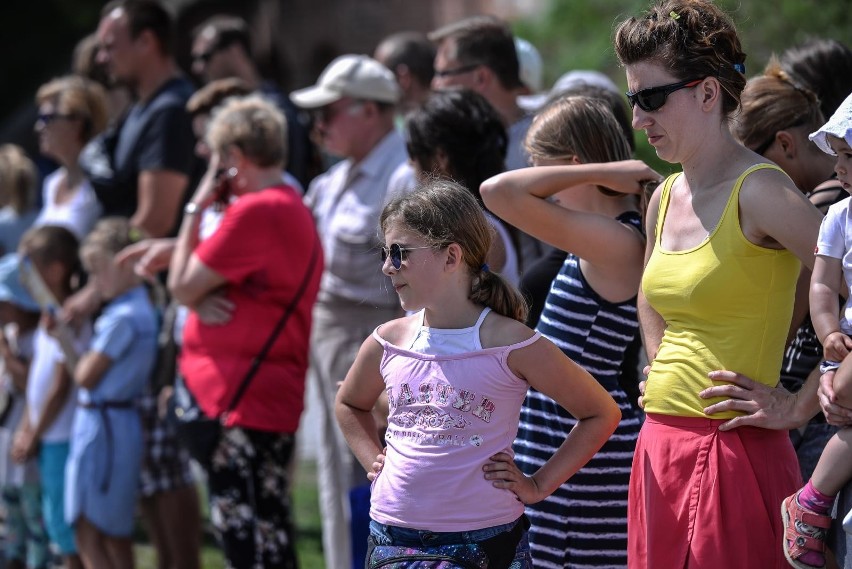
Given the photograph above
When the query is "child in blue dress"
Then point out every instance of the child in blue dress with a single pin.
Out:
(102, 475)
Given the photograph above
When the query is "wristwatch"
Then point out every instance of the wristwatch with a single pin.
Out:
(191, 208)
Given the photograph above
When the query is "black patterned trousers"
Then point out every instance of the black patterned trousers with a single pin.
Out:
(250, 501)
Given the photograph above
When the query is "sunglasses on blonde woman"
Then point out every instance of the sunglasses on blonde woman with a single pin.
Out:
(654, 98)
(397, 254)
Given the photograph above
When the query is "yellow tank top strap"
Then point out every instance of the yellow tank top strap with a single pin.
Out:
(664, 205)
(669, 182)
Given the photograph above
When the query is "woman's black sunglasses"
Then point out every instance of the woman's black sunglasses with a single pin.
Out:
(653, 98)
(397, 254)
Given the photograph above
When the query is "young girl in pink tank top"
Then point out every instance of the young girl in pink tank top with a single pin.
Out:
(455, 373)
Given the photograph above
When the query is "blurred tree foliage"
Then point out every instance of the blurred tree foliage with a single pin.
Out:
(577, 34)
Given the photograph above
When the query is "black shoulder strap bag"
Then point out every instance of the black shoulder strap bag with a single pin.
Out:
(200, 434)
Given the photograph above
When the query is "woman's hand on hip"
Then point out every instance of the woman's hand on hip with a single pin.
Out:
(766, 407)
(646, 370)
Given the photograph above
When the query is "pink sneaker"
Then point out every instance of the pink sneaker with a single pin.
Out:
(804, 534)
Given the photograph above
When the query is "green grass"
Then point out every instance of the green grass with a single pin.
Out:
(305, 516)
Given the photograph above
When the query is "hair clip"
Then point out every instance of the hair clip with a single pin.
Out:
(134, 235)
(674, 15)
(485, 268)
(739, 67)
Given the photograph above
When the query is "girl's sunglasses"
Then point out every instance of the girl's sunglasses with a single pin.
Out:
(397, 254)
(653, 98)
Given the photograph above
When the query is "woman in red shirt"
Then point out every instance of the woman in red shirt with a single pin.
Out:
(264, 252)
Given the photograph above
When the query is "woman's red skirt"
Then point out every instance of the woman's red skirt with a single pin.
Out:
(701, 498)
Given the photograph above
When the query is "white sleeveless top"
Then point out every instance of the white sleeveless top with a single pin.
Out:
(448, 342)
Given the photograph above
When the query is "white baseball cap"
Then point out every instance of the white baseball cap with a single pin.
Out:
(529, 64)
(356, 76)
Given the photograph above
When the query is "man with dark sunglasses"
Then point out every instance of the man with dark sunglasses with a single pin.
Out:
(222, 49)
(479, 53)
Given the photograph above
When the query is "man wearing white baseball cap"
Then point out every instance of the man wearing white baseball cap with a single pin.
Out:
(353, 104)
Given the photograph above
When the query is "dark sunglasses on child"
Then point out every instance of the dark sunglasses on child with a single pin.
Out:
(653, 98)
(397, 254)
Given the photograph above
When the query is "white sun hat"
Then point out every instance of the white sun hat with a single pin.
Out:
(839, 125)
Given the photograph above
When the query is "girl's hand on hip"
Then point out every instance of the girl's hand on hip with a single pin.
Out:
(377, 466)
(504, 473)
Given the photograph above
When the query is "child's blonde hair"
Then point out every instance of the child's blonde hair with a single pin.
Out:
(443, 212)
(110, 234)
(17, 178)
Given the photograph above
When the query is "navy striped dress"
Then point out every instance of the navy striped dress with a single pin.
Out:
(584, 523)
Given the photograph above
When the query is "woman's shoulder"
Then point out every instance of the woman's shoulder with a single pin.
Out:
(498, 330)
(282, 196)
(764, 184)
(272, 205)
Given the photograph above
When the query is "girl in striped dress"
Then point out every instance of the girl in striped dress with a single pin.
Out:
(585, 202)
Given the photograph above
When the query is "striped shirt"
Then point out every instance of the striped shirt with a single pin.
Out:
(584, 523)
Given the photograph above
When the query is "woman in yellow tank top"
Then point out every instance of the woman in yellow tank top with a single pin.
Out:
(725, 238)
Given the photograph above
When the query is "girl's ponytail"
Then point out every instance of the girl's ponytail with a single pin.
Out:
(492, 290)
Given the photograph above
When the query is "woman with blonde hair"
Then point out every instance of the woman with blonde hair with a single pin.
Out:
(264, 264)
(582, 197)
(71, 111)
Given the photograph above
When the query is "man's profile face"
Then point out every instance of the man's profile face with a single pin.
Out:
(449, 71)
(117, 50)
(340, 124)
(209, 60)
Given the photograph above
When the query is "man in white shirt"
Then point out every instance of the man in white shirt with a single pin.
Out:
(354, 104)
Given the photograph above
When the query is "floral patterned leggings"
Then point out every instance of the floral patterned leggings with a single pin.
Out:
(250, 500)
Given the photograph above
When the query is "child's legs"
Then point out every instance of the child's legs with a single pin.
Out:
(119, 550)
(16, 530)
(72, 561)
(169, 500)
(173, 521)
(52, 459)
(91, 543)
(834, 468)
(38, 547)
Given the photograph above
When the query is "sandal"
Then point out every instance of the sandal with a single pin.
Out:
(804, 531)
